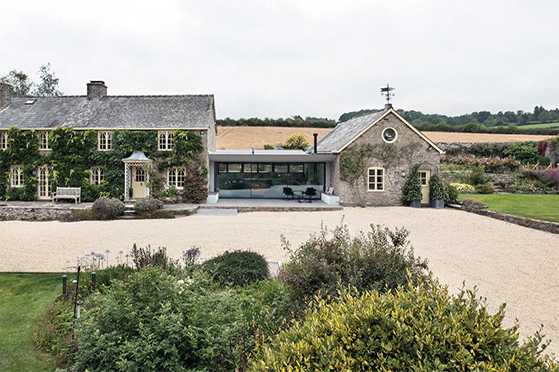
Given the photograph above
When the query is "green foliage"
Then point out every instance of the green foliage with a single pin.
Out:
(159, 322)
(296, 121)
(21, 85)
(472, 204)
(296, 142)
(352, 165)
(477, 177)
(104, 277)
(485, 188)
(376, 260)
(412, 328)
(452, 192)
(108, 208)
(22, 150)
(437, 188)
(412, 187)
(237, 268)
(526, 152)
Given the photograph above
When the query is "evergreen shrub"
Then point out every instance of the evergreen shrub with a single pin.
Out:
(412, 187)
(412, 328)
(108, 208)
(237, 268)
(437, 188)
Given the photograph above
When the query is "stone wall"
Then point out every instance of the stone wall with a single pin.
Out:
(17, 213)
(410, 149)
(552, 227)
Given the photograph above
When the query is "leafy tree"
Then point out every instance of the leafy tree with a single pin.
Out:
(21, 85)
(545, 116)
(296, 142)
(48, 87)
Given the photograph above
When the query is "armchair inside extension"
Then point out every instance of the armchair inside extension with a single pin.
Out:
(288, 193)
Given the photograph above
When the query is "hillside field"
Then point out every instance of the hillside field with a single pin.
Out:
(244, 138)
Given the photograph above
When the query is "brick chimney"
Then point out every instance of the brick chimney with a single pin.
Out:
(96, 89)
(5, 94)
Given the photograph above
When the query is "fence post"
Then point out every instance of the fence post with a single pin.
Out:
(94, 281)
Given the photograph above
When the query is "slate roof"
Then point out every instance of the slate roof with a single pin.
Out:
(122, 112)
(345, 132)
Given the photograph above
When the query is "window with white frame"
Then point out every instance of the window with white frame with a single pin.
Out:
(175, 177)
(376, 179)
(44, 140)
(104, 140)
(3, 140)
(165, 141)
(16, 176)
(96, 175)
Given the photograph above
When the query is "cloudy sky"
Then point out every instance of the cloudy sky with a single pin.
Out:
(279, 58)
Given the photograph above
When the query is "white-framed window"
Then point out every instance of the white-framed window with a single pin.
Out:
(376, 179)
(44, 140)
(165, 141)
(175, 177)
(96, 175)
(389, 135)
(3, 140)
(105, 140)
(16, 176)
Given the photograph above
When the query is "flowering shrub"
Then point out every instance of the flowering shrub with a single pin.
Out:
(490, 164)
(463, 187)
(549, 177)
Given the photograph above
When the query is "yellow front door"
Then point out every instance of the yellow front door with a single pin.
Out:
(43, 189)
(138, 182)
(424, 177)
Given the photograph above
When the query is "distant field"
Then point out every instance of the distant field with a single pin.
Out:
(245, 138)
(539, 126)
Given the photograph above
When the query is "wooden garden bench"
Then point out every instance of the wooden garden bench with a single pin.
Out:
(67, 193)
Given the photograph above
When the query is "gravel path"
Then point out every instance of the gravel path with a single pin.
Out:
(506, 262)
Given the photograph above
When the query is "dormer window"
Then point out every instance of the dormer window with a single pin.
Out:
(165, 141)
(105, 140)
(44, 140)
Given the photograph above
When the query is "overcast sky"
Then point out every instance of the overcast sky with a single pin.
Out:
(279, 58)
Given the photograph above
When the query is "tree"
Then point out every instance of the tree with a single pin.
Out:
(22, 86)
(49, 83)
(296, 142)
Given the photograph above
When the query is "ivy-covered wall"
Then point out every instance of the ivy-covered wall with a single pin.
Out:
(74, 152)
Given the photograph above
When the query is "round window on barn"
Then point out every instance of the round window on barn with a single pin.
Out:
(389, 135)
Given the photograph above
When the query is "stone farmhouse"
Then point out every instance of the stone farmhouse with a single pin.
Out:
(363, 161)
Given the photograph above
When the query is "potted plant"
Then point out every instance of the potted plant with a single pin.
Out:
(437, 192)
(412, 189)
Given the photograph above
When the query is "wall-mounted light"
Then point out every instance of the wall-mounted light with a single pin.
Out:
(403, 173)
(429, 148)
(34, 172)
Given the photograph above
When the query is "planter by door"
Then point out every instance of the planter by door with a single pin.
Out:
(415, 204)
(438, 204)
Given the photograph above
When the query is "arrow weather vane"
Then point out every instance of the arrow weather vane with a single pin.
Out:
(387, 92)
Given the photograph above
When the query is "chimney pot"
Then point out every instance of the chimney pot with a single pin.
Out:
(96, 89)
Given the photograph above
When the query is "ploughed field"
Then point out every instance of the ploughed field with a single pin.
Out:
(244, 138)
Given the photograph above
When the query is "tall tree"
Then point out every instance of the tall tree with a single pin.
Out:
(49, 83)
(21, 85)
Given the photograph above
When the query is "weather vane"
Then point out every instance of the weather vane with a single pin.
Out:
(387, 92)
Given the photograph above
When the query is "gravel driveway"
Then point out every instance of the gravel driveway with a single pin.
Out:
(506, 262)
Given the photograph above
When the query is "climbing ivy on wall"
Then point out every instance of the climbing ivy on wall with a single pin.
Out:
(74, 152)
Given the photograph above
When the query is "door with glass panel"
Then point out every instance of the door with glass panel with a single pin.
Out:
(43, 189)
(424, 177)
(138, 182)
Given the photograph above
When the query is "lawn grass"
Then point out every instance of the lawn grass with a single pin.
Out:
(23, 299)
(541, 207)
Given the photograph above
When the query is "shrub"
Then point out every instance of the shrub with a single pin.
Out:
(376, 260)
(108, 208)
(526, 153)
(477, 177)
(104, 277)
(472, 204)
(412, 187)
(490, 164)
(144, 257)
(147, 205)
(195, 187)
(452, 192)
(421, 328)
(437, 188)
(237, 268)
(462, 187)
(485, 188)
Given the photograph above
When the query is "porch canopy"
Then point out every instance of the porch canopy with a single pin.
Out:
(137, 159)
